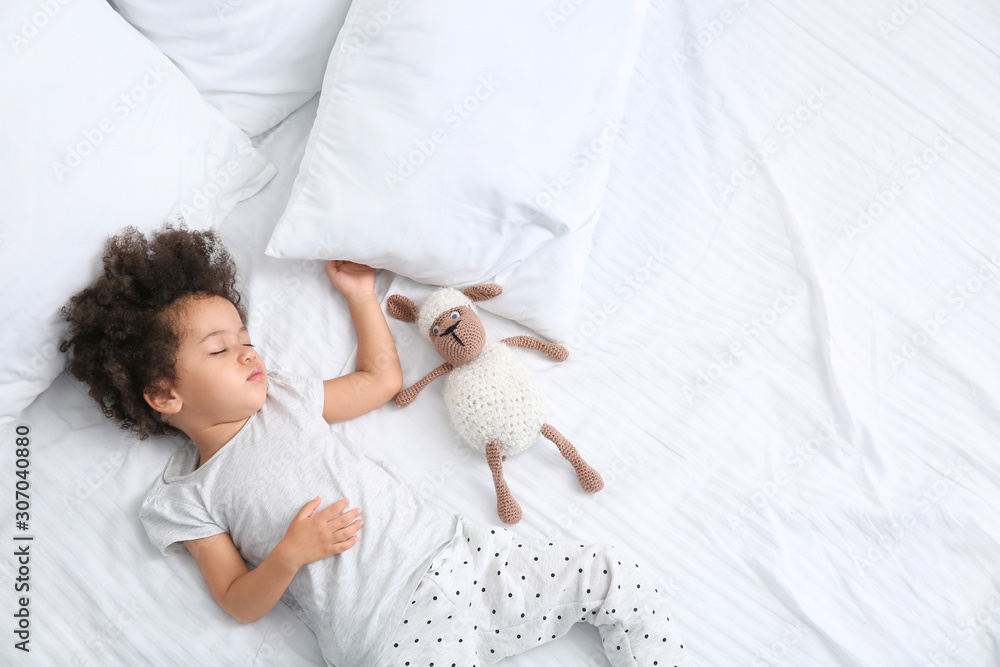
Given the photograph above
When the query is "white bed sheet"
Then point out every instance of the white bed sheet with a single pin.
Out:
(784, 364)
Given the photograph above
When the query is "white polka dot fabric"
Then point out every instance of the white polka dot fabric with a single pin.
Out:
(492, 594)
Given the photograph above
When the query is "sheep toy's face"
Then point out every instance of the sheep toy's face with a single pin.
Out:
(458, 335)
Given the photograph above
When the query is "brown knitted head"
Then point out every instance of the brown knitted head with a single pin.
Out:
(458, 335)
(449, 319)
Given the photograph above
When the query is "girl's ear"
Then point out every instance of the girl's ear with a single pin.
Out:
(164, 401)
(482, 292)
(402, 308)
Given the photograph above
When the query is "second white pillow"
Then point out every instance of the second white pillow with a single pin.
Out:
(458, 143)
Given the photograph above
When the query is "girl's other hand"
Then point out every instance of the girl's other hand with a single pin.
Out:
(351, 279)
(312, 535)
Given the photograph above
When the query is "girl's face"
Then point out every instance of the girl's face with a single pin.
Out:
(220, 377)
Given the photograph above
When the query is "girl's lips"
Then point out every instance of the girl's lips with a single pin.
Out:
(256, 376)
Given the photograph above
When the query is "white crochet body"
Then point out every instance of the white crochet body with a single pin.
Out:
(495, 397)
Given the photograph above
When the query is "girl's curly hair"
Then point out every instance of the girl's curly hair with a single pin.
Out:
(122, 333)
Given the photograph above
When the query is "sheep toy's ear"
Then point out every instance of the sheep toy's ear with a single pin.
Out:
(482, 292)
(402, 308)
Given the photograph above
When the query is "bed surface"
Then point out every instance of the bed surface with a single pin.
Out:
(784, 364)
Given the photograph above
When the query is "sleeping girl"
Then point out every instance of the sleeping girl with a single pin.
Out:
(273, 506)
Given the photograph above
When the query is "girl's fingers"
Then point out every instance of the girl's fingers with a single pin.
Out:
(309, 508)
(348, 531)
(334, 509)
(348, 517)
(341, 547)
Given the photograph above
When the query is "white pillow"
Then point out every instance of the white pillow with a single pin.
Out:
(99, 131)
(465, 142)
(255, 60)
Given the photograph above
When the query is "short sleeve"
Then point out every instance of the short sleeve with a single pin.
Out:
(170, 521)
(309, 389)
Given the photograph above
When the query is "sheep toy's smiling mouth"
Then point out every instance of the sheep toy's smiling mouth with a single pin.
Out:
(451, 331)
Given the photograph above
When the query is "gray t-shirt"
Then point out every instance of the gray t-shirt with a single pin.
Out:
(284, 456)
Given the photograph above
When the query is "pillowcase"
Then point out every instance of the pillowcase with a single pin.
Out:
(466, 142)
(255, 60)
(99, 131)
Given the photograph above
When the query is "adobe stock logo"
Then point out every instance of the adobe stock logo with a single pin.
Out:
(626, 288)
(121, 108)
(899, 17)
(753, 503)
(791, 122)
(889, 193)
(586, 154)
(563, 11)
(111, 632)
(751, 330)
(31, 25)
(776, 651)
(625, 459)
(930, 328)
(708, 34)
(357, 39)
(978, 622)
(895, 529)
(209, 192)
(426, 146)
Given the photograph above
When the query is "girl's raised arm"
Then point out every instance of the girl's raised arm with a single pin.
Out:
(378, 377)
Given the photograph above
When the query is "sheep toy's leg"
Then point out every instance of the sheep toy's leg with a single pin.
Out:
(590, 479)
(507, 508)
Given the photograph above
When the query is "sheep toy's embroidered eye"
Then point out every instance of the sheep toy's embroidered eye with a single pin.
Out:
(436, 330)
(455, 314)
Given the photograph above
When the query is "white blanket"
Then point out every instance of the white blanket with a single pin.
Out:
(784, 363)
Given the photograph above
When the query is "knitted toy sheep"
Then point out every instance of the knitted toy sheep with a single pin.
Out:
(493, 399)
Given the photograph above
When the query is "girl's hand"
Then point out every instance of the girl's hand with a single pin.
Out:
(313, 536)
(351, 279)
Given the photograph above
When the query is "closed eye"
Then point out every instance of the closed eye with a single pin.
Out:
(225, 349)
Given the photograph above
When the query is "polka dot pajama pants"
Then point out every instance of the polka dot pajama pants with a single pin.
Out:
(492, 594)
